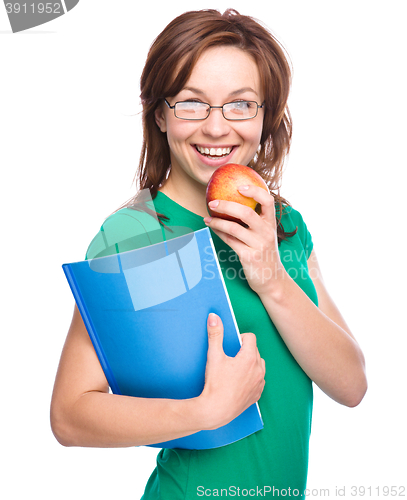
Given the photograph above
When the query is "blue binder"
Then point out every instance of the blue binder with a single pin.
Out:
(146, 311)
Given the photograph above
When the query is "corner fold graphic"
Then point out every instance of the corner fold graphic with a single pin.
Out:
(70, 4)
(26, 15)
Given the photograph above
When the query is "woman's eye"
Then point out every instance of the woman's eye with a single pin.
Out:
(242, 104)
(190, 104)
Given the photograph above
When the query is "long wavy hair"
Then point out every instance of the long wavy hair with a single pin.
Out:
(169, 64)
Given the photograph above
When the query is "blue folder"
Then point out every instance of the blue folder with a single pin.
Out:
(146, 312)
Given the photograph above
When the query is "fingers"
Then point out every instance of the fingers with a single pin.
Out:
(249, 341)
(233, 234)
(215, 332)
(232, 384)
(244, 213)
(264, 198)
(249, 348)
(215, 341)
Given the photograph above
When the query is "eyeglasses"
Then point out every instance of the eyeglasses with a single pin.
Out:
(197, 110)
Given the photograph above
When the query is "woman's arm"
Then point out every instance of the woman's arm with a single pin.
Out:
(317, 337)
(84, 413)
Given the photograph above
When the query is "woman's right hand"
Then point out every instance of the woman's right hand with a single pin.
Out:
(83, 413)
(232, 384)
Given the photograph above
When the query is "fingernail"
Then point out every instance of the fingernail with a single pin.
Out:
(213, 203)
(212, 319)
(243, 188)
(207, 220)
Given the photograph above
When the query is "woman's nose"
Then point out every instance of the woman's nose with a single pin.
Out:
(216, 125)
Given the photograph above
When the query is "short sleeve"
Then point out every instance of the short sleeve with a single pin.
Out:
(295, 220)
(125, 230)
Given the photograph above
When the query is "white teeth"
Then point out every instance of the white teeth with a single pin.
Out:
(214, 151)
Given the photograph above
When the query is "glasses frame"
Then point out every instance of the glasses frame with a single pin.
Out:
(215, 107)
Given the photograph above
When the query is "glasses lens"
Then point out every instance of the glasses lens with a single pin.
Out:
(191, 110)
(240, 110)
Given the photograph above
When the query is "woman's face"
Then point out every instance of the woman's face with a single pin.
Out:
(221, 75)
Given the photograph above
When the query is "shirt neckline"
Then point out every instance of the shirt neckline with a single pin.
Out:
(179, 207)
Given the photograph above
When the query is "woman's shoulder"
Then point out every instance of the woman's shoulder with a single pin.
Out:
(292, 220)
(125, 229)
(292, 216)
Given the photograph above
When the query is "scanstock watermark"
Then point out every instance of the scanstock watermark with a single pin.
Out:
(24, 15)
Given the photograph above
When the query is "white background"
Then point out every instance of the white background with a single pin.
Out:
(70, 141)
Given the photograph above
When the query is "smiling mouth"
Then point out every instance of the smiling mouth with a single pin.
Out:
(214, 152)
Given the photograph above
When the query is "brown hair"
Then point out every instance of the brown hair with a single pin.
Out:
(178, 48)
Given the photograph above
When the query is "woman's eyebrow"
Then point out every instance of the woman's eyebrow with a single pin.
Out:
(242, 91)
(195, 90)
(235, 92)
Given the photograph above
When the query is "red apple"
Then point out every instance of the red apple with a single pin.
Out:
(224, 183)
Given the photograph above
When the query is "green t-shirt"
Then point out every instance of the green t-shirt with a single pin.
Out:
(275, 458)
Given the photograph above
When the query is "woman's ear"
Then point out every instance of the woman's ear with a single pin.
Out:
(160, 119)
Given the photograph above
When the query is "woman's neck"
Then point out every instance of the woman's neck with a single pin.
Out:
(191, 197)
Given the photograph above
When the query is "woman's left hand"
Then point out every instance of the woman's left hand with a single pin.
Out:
(257, 244)
(316, 336)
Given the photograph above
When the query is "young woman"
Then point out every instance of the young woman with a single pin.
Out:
(214, 90)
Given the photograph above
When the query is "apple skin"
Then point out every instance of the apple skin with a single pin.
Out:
(223, 186)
